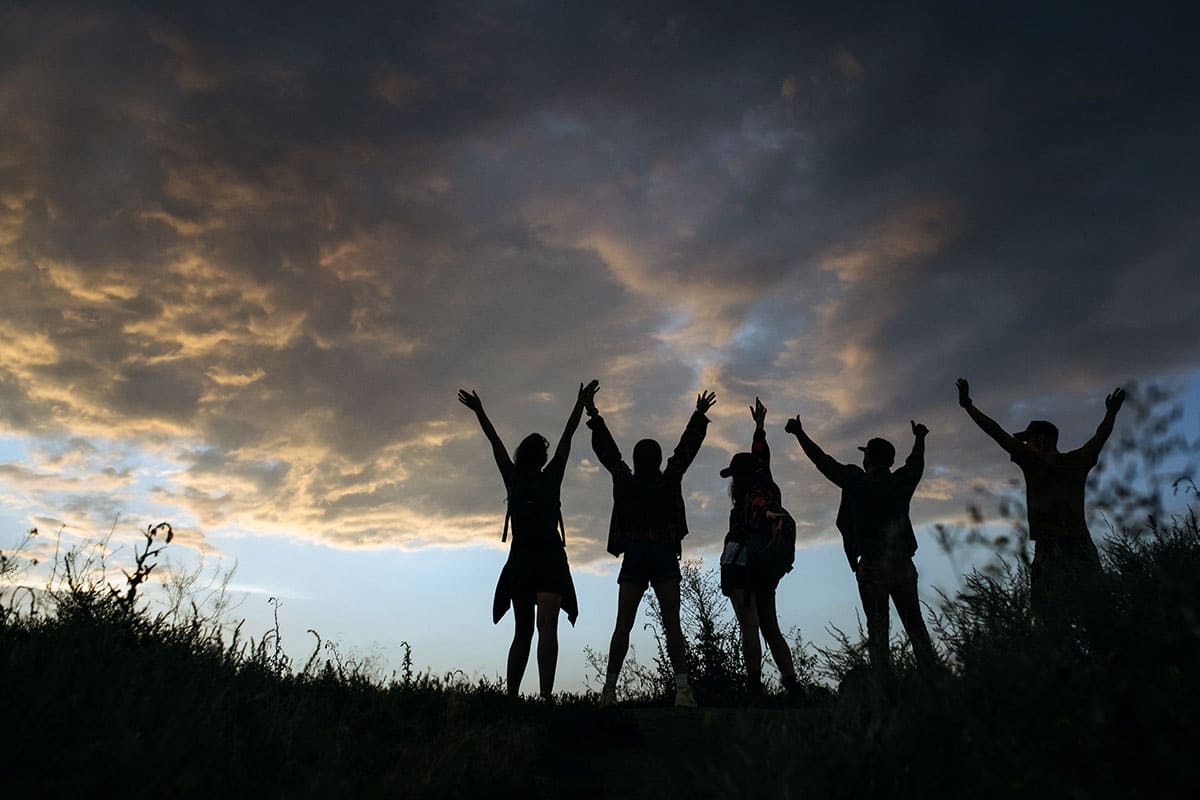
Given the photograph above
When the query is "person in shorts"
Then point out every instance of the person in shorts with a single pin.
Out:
(750, 566)
(536, 577)
(647, 528)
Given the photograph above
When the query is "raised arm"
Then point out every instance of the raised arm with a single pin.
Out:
(585, 397)
(986, 423)
(693, 436)
(839, 474)
(914, 465)
(603, 444)
(758, 445)
(1112, 404)
(471, 400)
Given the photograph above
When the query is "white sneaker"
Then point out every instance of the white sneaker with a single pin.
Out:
(608, 697)
(684, 698)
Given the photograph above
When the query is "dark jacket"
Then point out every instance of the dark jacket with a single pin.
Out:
(873, 514)
(647, 508)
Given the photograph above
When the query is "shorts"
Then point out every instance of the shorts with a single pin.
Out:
(649, 563)
(758, 581)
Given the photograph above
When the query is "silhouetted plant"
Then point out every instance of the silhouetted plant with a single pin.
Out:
(713, 648)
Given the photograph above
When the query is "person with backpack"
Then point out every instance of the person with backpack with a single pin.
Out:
(536, 576)
(759, 550)
(646, 531)
(878, 536)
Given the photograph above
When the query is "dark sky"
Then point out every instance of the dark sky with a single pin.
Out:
(250, 253)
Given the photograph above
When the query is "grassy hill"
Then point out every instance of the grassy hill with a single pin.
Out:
(102, 696)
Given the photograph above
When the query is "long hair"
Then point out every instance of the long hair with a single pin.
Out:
(740, 486)
(530, 455)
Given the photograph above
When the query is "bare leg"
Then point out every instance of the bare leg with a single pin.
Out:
(548, 604)
(628, 599)
(667, 593)
(768, 623)
(518, 653)
(746, 611)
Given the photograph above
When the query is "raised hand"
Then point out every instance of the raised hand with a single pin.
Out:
(705, 401)
(587, 394)
(758, 412)
(964, 392)
(1113, 401)
(919, 430)
(470, 400)
(794, 425)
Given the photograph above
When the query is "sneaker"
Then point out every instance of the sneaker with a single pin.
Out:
(608, 697)
(684, 698)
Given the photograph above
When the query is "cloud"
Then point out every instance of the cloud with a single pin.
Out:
(258, 252)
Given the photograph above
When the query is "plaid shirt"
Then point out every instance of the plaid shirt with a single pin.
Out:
(648, 509)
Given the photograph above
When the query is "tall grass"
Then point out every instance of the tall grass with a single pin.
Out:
(99, 693)
(1103, 706)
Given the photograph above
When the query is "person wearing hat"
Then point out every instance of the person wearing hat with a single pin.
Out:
(878, 537)
(646, 531)
(1064, 554)
(759, 549)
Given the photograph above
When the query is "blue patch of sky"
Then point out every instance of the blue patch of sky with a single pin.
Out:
(13, 449)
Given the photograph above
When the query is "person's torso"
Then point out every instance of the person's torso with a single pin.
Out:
(649, 509)
(1054, 496)
(879, 508)
(750, 509)
(534, 509)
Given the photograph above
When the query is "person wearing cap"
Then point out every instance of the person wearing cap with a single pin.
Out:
(755, 557)
(878, 536)
(646, 531)
(1064, 554)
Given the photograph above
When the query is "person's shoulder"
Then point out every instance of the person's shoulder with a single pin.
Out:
(851, 473)
(1080, 458)
(1025, 456)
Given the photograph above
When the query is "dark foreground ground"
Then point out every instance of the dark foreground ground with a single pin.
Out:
(101, 699)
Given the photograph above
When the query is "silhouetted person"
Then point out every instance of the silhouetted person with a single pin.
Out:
(1064, 556)
(647, 528)
(878, 536)
(758, 553)
(536, 575)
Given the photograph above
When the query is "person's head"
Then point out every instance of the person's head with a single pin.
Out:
(647, 457)
(878, 453)
(531, 453)
(1040, 435)
(741, 468)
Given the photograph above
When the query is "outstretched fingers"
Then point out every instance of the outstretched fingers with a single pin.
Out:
(758, 412)
(470, 399)
(587, 393)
